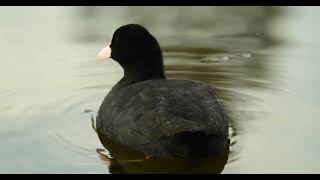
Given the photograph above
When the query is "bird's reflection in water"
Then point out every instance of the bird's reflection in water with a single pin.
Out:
(125, 161)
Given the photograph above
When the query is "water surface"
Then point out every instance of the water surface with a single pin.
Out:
(263, 62)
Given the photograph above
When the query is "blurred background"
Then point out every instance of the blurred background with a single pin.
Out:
(263, 62)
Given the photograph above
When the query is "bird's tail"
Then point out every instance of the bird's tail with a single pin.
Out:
(199, 144)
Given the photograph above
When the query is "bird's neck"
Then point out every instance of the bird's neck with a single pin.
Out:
(143, 71)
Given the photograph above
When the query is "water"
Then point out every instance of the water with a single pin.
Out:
(263, 62)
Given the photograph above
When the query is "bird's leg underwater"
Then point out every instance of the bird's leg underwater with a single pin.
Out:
(150, 157)
(104, 157)
(110, 161)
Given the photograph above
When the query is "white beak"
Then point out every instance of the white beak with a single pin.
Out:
(105, 53)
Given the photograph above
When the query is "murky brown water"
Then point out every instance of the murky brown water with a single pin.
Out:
(263, 61)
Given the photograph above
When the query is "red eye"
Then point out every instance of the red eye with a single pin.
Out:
(114, 40)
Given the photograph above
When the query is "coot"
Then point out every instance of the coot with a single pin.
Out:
(148, 113)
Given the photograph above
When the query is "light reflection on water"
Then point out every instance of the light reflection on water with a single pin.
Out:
(261, 60)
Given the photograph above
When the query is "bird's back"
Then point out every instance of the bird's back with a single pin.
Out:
(165, 118)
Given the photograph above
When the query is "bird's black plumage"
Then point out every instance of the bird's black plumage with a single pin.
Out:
(163, 117)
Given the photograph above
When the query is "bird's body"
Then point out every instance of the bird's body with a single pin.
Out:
(160, 117)
(153, 116)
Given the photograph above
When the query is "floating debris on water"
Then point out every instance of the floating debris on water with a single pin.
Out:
(246, 55)
(216, 58)
(87, 111)
(225, 57)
